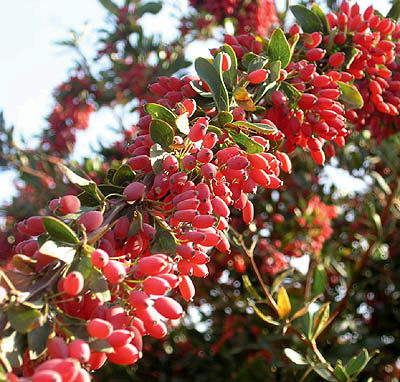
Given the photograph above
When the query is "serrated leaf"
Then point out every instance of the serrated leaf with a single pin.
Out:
(22, 318)
(284, 306)
(52, 249)
(278, 48)
(230, 76)
(164, 242)
(150, 7)
(37, 343)
(182, 123)
(263, 316)
(162, 133)
(307, 19)
(322, 17)
(350, 96)
(160, 112)
(245, 142)
(86, 185)
(157, 155)
(394, 12)
(319, 280)
(250, 288)
(320, 320)
(59, 230)
(123, 176)
(295, 357)
(213, 78)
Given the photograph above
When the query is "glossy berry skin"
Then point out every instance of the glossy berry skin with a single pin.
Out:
(124, 355)
(99, 258)
(73, 283)
(99, 328)
(79, 350)
(134, 191)
(57, 348)
(114, 271)
(47, 376)
(91, 220)
(258, 76)
(69, 204)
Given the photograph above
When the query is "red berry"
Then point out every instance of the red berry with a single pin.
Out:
(69, 204)
(99, 328)
(73, 283)
(99, 258)
(168, 307)
(258, 76)
(226, 62)
(79, 350)
(91, 220)
(57, 348)
(114, 272)
(124, 355)
(134, 191)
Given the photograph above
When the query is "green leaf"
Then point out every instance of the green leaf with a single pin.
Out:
(295, 357)
(340, 372)
(257, 128)
(394, 12)
(319, 280)
(245, 142)
(275, 70)
(350, 96)
(157, 155)
(356, 365)
(59, 230)
(290, 91)
(257, 63)
(101, 345)
(37, 343)
(12, 347)
(263, 316)
(123, 176)
(263, 89)
(52, 249)
(307, 19)
(350, 55)
(182, 123)
(110, 6)
(230, 76)
(278, 48)
(199, 90)
(164, 242)
(381, 182)
(98, 285)
(160, 112)
(213, 78)
(224, 117)
(250, 288)
(150, 7)
(322, 17)
(84, 184)
(22, 318)
(162, 133)
(320, 320)
(322, 370)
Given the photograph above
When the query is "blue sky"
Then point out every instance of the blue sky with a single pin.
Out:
(33, 65)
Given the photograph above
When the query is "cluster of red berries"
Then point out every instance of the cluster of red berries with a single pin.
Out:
(256, 16)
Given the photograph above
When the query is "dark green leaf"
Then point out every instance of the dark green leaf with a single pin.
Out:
(110, 6)
(199, 90)
(98, 285)
(22, 318)
(157, 155)
(264, 88)
(256, 63)
(307, 19)
(322, 17)
(275, 71)
(295, 357)
(245, 142)
(37, 342)
(52, 249)
(322, 370)
(319, 280)
(257, 128)
(107, 189)
(290, 91)
(160, 112)
(213, 78)
(84, 184)
(224, 117)
(123, 176)
(350, 96)
(150, 7)
(214, 129)
(350, 55)
(278, 48)
(59, 230)
(161, 133)
(340, 372)
(230, 76)
(394, 12)
(164, 242)
(358, 363)
(320, 320)
(12, 348)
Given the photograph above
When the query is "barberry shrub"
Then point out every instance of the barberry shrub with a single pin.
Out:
(211, 199)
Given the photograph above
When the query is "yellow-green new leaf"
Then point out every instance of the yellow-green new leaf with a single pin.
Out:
(284, 306)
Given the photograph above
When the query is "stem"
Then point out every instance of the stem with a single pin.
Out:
(310, 273)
